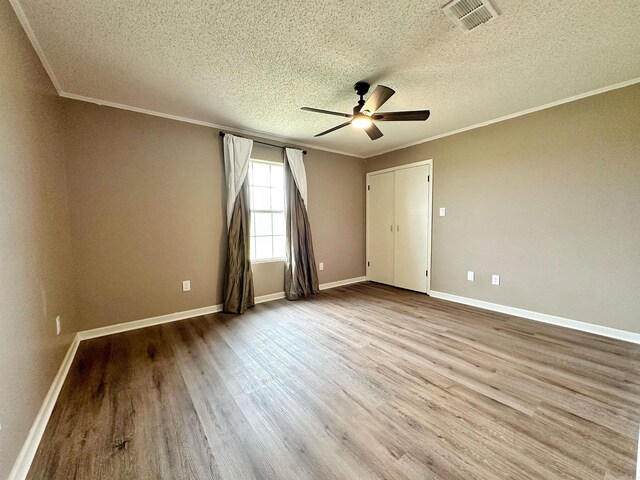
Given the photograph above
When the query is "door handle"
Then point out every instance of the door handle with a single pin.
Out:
(392, 228)
(398, 228)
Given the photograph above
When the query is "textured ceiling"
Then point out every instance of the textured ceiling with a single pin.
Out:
(251, 65)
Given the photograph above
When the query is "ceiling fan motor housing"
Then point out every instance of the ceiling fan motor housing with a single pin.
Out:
(361, 89)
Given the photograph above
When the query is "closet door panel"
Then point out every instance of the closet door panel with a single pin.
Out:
(381, 236)
(411, 223)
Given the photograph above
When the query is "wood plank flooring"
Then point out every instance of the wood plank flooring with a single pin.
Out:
(360, 382)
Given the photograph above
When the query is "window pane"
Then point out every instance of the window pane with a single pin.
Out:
(267, 198)
(278, 224)
(277, 199)
(260, 174)
(260, 198)
(276, 176)
(278, 247)
(263, 223)
(264, 248)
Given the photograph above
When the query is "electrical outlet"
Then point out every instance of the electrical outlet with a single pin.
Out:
(58, 325)
(442, 211)
(471, 276)
(495, 279)
(321, 266)
(186, 285)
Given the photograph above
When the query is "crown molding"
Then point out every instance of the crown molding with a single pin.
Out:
(240, 131)
(26, 26)
(49, 69)
(270, 136)
(277, 138)
(573, 98)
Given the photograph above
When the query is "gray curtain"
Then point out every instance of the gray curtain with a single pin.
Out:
(301, 276)
(238, 279)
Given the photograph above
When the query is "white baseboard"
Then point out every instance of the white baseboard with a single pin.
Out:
(174, 317)
(542, 317)
(323, 286)
(148, 322)
(269, 297)
(341, 283)
(28, 451)
(30, 446)
(638, 459)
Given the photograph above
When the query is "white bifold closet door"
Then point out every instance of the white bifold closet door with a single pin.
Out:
(411, 217)
(381, 227)
(398, 216)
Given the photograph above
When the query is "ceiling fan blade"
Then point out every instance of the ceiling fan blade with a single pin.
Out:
(415, 115)
(332, 129)
(379, 96)
(373, 132)
(327, 112)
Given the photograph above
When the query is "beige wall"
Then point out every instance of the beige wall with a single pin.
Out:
(550, 201)
(146, 198)
(34, 238)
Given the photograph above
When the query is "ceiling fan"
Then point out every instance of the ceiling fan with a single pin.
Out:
(364, 113)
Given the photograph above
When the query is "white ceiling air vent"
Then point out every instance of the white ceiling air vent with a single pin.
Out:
(469, 14)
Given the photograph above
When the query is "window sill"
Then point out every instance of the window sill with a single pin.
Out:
(269, 260)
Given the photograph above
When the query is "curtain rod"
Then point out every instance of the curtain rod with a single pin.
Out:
(222, 134)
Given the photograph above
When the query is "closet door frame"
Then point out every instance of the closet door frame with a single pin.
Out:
(429, 210)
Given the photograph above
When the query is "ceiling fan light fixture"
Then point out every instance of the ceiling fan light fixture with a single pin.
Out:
(361, 121)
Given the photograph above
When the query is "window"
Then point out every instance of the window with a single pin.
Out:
(266, 187)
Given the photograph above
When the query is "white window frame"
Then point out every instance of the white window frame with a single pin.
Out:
(251, 210)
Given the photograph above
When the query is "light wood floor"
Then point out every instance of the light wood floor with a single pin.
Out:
(362, 382)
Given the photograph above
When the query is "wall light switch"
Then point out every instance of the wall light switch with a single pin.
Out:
(186, 285)
(442, 211)
(58, 325)
(471, 276)
(321, 266)
(495, 279)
